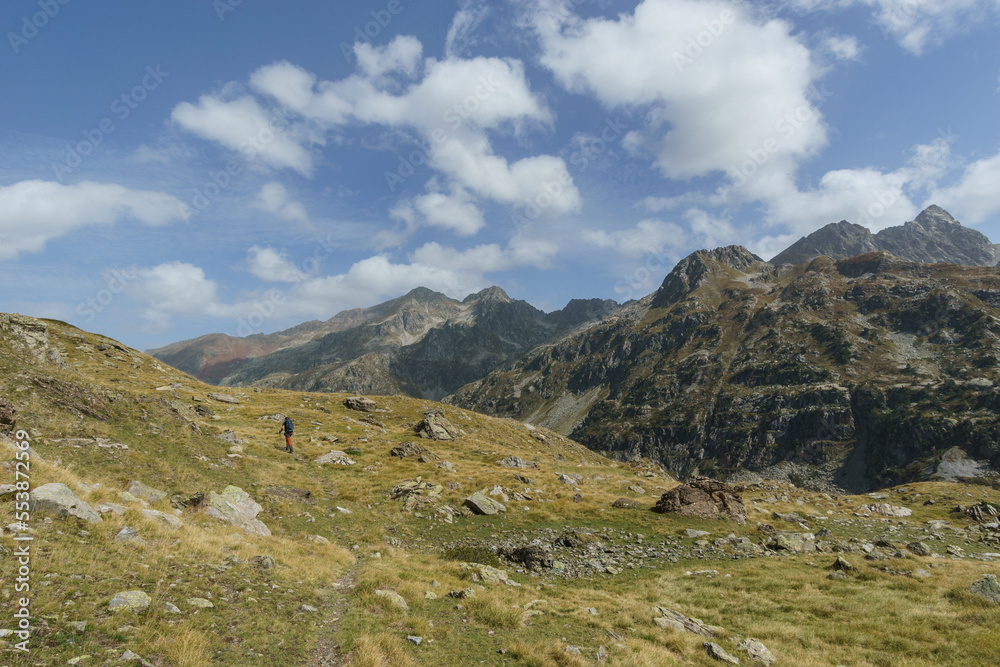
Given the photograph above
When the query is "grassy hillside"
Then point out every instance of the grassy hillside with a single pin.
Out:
(83, 399)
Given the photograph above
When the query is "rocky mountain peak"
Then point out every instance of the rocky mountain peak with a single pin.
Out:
(692, 271)
(424, 295)
(934, 214)
(490, 294)
(933, 236)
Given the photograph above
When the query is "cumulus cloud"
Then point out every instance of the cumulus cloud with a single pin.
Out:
(179, 289)
(454, 104)
(843, 47)
(272, 265)
(975, 197)
(715, 81)
(174, 289)
(647, 236)
(241, 124)
(453, 211)
(34, 212)
(273, 198)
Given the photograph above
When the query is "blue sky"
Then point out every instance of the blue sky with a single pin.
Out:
(173, 169)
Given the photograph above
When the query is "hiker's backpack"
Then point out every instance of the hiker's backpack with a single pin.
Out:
(289, 427)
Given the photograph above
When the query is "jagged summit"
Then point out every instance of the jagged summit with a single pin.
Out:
(691, 272)
(934, 236)
(493, 293)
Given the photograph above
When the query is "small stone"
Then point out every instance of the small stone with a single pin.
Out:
(170, 608)
(416, 640)
(393, 598)
(79, 660)
(717, 652)
(200, 603)
(309, 608)
(79, 626)
(756, 651)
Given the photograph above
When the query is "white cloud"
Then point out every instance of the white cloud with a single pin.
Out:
(241, 124)
(35, 211)
(174, 289)
(273, 198)
(975, 197)
(467, 19)
(453, 211)
(716, 82)
(843, 47)
(178, 289)
(400, 55)
(647, 236)
(271, 265)
(454, 104)
(915, 24)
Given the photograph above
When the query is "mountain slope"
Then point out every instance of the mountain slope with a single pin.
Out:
(934, 236)
(421, 344)
(859, 373)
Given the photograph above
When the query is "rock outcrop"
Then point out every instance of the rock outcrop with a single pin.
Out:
(703, 498)
(56, 499)
(235, 506)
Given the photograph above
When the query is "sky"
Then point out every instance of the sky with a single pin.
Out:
(169, 170)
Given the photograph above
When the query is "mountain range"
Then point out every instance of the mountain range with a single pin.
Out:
(850, 360)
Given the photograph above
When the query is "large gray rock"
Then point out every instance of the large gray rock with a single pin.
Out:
(703, 498)
(516, 462)
(435, 427)
(58, 500)
(756, 651)
(235, 506)
(223, 398)
(674, 620)
(360, 403)
(168, 520)
(987, 588)
(147, 493)
(129, 601)
(336, 457)
(720, 654)
(479, 503)
(885, 509)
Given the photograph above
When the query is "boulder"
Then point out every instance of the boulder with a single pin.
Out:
(481, 504)
(516, 462)
(235, 506)
(58, 500)
(885, 509)
(360, 403)
(488, 574)
(627, 504)
(336, 457)
(717, 652)
(168, 520)
(668, 618)
(147, 493)
(919, 548)
(406, 449)
(987, 588)
(129, 534)
(530, 556)
(394, 598)
(703, 498)
(435, 427)
(756, 651)
(129, 601)
(223, 398)
(792, 542)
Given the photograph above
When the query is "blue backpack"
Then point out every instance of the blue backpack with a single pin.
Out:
(289, 427)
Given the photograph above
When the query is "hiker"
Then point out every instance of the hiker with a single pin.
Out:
(287, 428)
